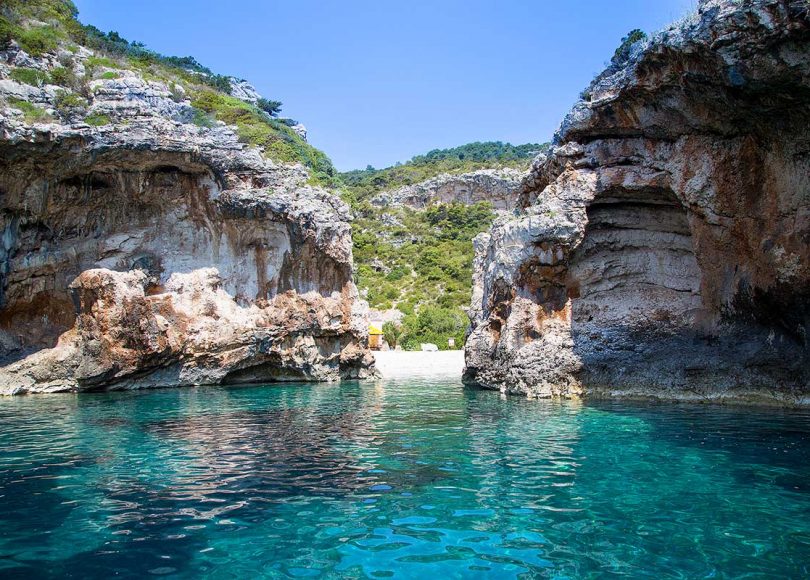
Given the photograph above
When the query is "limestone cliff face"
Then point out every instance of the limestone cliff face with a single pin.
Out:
(664, 246)
(500, 187)
(161, 252)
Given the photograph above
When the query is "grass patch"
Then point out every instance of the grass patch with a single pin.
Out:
(68, 103)
(97, 119)
(40, 39)
(32, 113)
(30, 76)
(110, 75)
(94, 62)
(256, 127)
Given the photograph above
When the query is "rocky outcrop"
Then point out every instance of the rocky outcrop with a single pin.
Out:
(500, 187)
(663, 248)
(163, 253)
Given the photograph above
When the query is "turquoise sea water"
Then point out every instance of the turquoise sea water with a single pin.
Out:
(397, 479)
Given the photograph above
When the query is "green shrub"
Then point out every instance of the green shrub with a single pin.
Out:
(109, 75)
(203, 119)
(32, 113)
(94, 62)
(97, 119)
(7, 31)
(39, 40)
(623, 52)
(64, 77)
(30, 76)
(434, 324)
(272, 108)
(392, 331)
(67, 103)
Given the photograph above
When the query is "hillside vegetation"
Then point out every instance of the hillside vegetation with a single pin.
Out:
(420, 261)
(43, 26)
(365, 183)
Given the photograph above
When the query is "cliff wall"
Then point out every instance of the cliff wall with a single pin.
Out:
(141, 247)
(663, 249)
(500, 187)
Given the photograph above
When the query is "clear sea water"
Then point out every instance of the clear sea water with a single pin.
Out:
(397, 479)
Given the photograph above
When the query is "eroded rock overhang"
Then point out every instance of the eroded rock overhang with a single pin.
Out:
(270, 258)
(663, 248)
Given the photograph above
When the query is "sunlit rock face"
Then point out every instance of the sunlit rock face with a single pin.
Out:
(152, 252)
(663, 250)
(500, 187)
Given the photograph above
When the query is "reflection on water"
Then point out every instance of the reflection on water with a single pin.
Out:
(397, 479)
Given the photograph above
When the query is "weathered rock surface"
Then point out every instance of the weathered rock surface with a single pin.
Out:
(163, 253)
(500, 187)
(664, 246)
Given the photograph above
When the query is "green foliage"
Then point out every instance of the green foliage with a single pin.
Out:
(94, 62)
(7, 31)
(427, 261)
(109, 75)
(39, 39)
(203, 119)
(623, 52)
(392, 331)
(364, 183)
(434, 324)
(33, 114)
(272, 108)
(59, 14)
(97, 119)
(68, 103)
(278, 140)
(64, 77)
(30, 76)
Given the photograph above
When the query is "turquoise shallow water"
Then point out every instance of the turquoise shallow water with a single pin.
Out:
(397, 480)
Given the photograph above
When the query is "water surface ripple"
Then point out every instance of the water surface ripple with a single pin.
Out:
(397, 479)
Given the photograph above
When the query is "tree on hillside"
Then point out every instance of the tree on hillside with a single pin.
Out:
(272, 108)
(392, 331)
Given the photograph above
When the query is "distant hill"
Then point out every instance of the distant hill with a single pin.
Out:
(420, 260)
(362, 184)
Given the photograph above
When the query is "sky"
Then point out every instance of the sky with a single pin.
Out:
(378, 81)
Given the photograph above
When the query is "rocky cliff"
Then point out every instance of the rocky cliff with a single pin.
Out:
(141, 247)
(664, 246)
(500, 187)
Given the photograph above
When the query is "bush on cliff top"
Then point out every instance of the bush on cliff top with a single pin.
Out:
(255, 127)
(623, 51)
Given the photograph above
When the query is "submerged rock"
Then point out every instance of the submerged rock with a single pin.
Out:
(662, 250)
(144, 250)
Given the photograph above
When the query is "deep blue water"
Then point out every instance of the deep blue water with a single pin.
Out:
(397, 480)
